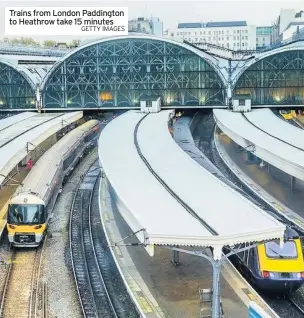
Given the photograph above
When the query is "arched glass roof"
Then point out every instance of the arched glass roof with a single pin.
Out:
(123, 71)
(277, 79)
(16, 90)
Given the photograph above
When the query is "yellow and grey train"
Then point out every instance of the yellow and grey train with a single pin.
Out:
(30, 207)
(274, 268)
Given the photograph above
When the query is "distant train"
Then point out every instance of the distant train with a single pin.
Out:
(30, 207)
(273, 268)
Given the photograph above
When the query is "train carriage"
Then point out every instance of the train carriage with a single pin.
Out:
(30, 207)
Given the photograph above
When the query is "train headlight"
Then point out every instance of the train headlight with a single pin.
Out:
(12, 226)
(38, 227)
(266, 274)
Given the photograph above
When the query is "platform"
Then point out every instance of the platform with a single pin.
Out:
(276, 193)
(267, 136)
(163, 290)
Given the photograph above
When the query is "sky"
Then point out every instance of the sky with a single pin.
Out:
(173, 11)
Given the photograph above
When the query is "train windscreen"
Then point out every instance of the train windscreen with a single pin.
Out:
(19, 214)
(273, 249)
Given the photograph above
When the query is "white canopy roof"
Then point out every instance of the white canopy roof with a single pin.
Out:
(11, 120)
(145, 203)
(15, 151)
(21, 127)
(267, 121)
(268, 134)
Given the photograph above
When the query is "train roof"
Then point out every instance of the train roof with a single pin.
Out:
(43, 172)
(26, 198)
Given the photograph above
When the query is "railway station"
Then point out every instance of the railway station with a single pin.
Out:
(149, 177)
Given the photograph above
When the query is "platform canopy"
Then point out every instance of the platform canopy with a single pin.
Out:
(267, 136)
(145, 204)
(33, 130)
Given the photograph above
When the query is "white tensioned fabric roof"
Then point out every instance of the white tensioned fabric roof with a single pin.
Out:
(145, 203)
(253, 129)
(267, 121)
(11, 120)
(15, 151)
(23, 126)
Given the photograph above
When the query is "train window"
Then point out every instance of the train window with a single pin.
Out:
(26, 214)
(273, 249)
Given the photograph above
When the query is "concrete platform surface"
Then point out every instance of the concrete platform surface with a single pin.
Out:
(261, 181)
(163, 290)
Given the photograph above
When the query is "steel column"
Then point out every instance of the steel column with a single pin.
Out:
(216, 302)
(175, 258)
(292, 183)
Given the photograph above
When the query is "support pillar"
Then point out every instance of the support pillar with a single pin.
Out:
(292, 183)
(216, 301)
(175, 258)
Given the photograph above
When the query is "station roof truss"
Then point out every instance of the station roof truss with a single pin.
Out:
(121, 71)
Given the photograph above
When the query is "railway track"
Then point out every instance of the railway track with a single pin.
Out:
(92, 289)
(23, 295)
(289, 308)
(100, 287)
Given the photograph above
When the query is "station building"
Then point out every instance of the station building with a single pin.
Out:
(119, 72)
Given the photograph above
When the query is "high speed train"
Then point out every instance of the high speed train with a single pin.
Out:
(30, 207)
(273, 267)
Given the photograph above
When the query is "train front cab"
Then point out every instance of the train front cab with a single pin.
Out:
(281, 268)
(26, 221)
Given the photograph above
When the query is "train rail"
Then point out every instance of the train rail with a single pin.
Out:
(100, 287)
(92, 289)
(23, 295)
(288, 307)
(297, 307)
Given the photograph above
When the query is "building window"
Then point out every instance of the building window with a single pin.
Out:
(177, 33)
(246, 37)
(242, 44)
(227, 38)
(242, 102)
(201, 33)
(242, 38)
(238, 31)
(209, 32)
